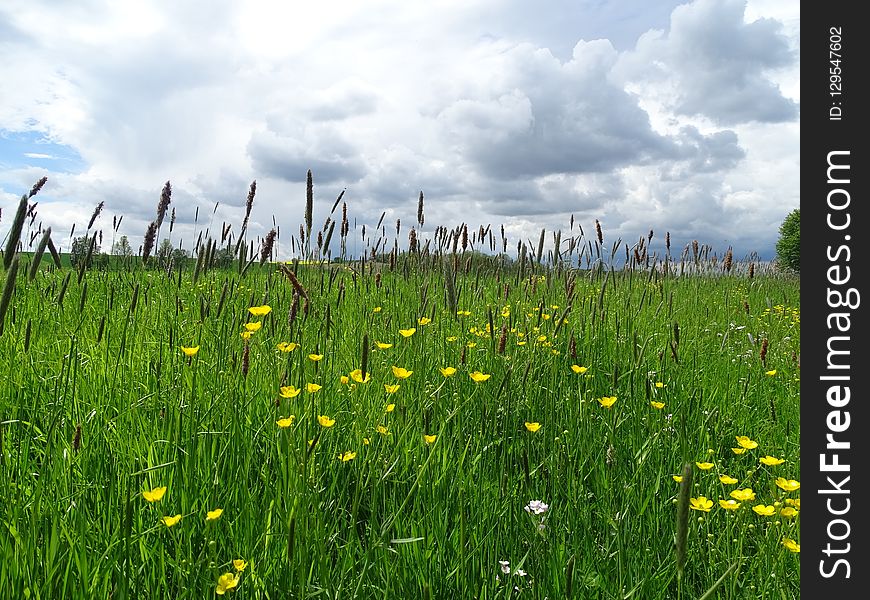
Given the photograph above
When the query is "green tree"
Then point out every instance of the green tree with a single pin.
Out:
(79, 251)
(788, 248)
(122, 247)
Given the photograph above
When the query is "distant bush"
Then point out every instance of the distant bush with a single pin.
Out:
(788, 248)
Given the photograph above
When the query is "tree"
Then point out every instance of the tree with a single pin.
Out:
(788, 248)
(79, 251)
(122, 247)
(164, 251)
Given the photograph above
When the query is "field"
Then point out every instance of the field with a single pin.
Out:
(428, 426)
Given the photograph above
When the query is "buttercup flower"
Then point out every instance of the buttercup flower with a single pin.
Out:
(770, 373)
(447, 371)
(424, 320)
(729, 504)
(313, 387)
(744, 442)
(743, 494)
(738, 450)
(791, 545)
(607, 401)
(771, 461)
(357, 375)
(239, 564)
(477, 376)
(429, 438)
(401, 372)
(727, 479)
(226, 582)
(286, 421)
(700, 503)
(391, 389)
(255, 326)
(659, 384)
(260, 311)
(764, 510)
(657, 405)
(408, 332)
(287, 346)
(677, 478)
(346, 456)
(704, 466)
(289, 391)
(170, 521)
(315, 357)
(214, 515)
(325, 421)
(578, 369)
(390, 407)
(788, 512)
(383, 345)
(533, 427)
(155, 495)
(191, 351)
(789, 485)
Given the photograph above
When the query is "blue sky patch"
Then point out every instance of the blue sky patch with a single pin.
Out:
(19, 149)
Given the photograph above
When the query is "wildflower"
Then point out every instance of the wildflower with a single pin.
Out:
(260, 311)
(477, 376)
(226, 582)
(289, 391)
(287, 346)
(533, 427)
(452, 338)
(700, 503)
(239, 564)
(344, 379)
(471, 344)
(657, 405)
(505, 567)
(170, 521)
(430, 439)
(408, 332)
(401, 372)
(793, 502)
(325, 421)
(738, 450)
(659, 384)
(729, 504)
(346, 456)
(791, 544)
(764, 510)
(312, 387)
(383, 345)
(315, 357)
(382, 430)
(357, 375)
(447, 371)
(424, 320)
(391, 407)
(246, 334)
(255, 326)
(789, 485)
(377, 309)
(770, 373)
(366, 441)
(704, 466)
(788, 512)
(677, 478)
(188, 352)
(727, 479)
(286, 421)
(214, 515)
(744, 442)
(578, 369)
(537, 507)
(607, 401)
(155, 495)
(391, 389)
(743, 494)
(771, 461)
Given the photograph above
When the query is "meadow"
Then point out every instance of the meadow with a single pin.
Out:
(436, 423)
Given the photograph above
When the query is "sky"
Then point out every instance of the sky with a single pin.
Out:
(646, 116)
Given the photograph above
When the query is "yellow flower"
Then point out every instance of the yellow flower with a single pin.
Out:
(727, 479)
(391, 407)
(155, 495)
(286, 421)
(704, 466)
(376, 309)
(607, 401)
(477, 376)
(408, 332)
(382, 430)
(383, 346)
(471, 344)
(743, 494)
(729, 504)
(246, 334)
(506, 312)
(170, 521)
(255, 326)
(533, 427)
(312, 387)
(226, 582)
(325, 421)
(764, 511)
(771, 461)
(346, 456)
(366, 441)
(463, 313)
(357, 375)
(315, 357)
(657, 405)
(744, 442)
(401, 372)
(700, 503)
(770, 373)
(260, 311)
(791, 544)
(289, 391)
(789, 485)
(344, 379)
(578, 369)
(424, 320)
(452, 338)
(214, 515)
(287, 346)
(447, 371)
(738, 450)
(677, 478)
(239, 564)
(190, 351)
(430, 439)
(794, 502)
(391, 389)
(788, 512)
(659, 384)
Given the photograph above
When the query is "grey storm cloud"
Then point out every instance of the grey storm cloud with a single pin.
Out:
(289, 158)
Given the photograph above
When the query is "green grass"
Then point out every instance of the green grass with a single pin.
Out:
(404, 518)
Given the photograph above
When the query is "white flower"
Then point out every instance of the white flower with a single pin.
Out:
(537, 507)
(520, 572)
(505, 566)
